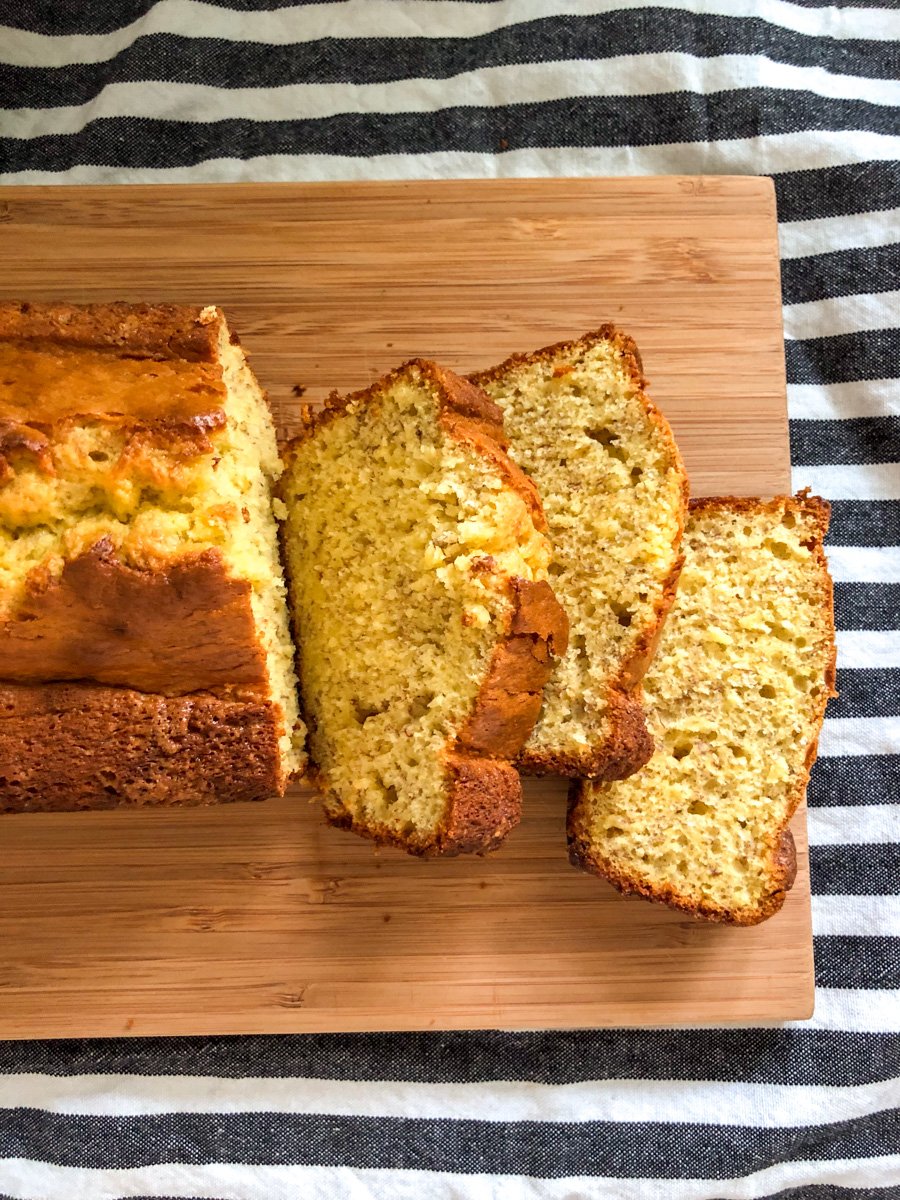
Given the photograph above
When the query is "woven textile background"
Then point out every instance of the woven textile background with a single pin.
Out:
(178, 90)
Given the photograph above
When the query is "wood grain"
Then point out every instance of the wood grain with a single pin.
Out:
(255, 918)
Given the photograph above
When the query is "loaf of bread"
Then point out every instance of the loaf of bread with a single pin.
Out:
(614, 489)
(145, 655)
(425, 624)
(735, 700)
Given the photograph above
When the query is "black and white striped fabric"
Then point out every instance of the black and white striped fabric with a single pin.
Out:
(136, 91)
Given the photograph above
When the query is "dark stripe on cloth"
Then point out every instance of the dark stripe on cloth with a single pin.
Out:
(866, 692)
(864, 523)
(837, 191)
(857, 962)
(867, 605)
(584, 121)
(864, 870)
(843, 442)
(874, 354)
(544, 1150)
(221, 62)
(871, 269)
(867, 779)
(801, 1057)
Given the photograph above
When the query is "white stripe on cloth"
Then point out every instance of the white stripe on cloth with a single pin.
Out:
(825, 402)
(864, 564)
(875, 481)
(852, 231)
(765, 155)
(853, 736)
(854, 825)
(414, 18)
(628, 75)
(867, 1010)
(871, 916)
(842, 314)
(672, 1101)
(26, 1179)
(868, 647)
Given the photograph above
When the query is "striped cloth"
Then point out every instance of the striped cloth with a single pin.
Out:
(266, 89)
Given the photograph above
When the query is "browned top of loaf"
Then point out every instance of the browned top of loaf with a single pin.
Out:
(142, 367)
(181, 628)
(465, 412)
(155, 331)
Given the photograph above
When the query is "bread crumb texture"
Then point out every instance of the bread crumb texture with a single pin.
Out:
(403, 538)
(157, 458)
(735, 699)
(614, 491)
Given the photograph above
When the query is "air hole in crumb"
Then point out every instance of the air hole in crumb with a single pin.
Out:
(419, 705)
(681, 749)
(605, 437)
(789, 520)
(780, 550)
(699, 809)
(767, 691)
(623, 615)
(636, 473)
(613, 831)
(555, 569)
(98, 456)
(363, 712)
(746, 531)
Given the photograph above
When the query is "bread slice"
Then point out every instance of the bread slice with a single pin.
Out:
(735, 700)
(425, 624)
(614, 489)
(145, 654)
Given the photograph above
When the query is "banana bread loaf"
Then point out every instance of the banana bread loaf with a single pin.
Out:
(145, 655)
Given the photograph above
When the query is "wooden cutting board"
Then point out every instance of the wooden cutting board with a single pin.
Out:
(258, 918)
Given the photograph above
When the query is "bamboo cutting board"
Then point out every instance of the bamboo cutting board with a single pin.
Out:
(257, 918)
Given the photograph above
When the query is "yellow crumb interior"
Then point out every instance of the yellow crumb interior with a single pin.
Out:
(155, 503)
(611, 484)
(400, 544)
(734, 700)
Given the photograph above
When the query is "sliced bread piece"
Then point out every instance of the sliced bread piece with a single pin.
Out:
(614, 489)
(735, 701)
(426, 628)
(145, 654)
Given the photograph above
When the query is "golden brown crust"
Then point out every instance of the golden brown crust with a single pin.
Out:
(508, 704)
(629, 745)
(77, 746)
(607, 332)
(184, 628)
(157, 331)
(484, 803)
(142, 368)
(783, 854)
(627, 749)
